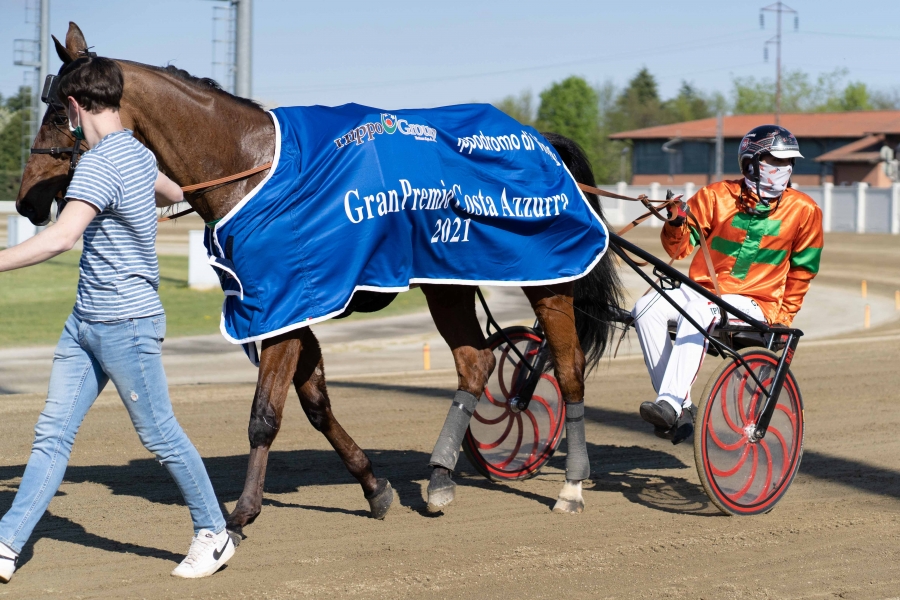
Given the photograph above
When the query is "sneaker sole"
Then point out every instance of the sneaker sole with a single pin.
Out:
(226, 556)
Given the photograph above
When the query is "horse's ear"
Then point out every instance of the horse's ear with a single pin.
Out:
(61, 51)
(75, 43)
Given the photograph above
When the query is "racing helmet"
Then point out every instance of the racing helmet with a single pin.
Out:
(762, 140)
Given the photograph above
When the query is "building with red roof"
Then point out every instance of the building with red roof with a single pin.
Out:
(840, 148)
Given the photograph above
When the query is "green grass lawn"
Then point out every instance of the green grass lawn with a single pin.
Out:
(35, 302)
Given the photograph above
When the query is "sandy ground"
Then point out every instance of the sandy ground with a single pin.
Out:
(118, 525)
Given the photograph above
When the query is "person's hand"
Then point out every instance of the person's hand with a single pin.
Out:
(679, 214)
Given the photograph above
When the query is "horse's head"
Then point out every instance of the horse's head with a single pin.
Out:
(49, 168)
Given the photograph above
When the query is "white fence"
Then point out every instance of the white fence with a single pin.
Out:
(857, 208)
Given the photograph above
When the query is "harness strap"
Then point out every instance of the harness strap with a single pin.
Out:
(706, 256)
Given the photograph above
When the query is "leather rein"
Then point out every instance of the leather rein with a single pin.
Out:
(213, 183)
(655, 211)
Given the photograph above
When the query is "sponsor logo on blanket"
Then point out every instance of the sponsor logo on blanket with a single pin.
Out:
(388, 124)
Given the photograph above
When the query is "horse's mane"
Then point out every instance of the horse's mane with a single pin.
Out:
(205, 83)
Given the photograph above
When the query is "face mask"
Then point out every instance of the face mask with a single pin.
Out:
(772, 181)
(78, 132)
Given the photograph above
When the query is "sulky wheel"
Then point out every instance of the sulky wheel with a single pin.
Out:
(743, 477)
(503, 443)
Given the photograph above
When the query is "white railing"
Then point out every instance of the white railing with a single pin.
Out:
(857, 208)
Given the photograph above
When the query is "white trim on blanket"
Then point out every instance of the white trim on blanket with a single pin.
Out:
(255, 190)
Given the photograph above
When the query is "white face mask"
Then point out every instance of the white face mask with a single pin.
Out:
(773, 180)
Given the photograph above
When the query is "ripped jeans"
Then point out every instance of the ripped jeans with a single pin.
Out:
(88, 356)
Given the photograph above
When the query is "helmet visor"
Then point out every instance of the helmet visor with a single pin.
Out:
(785, 153)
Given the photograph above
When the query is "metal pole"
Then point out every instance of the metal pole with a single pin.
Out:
(45, 43)
(778, 69)
(720, 146)
(244, 49)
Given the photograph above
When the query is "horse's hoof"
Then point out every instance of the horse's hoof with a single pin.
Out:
(381, 502)
(441, 490)
(571, 507)
(236, 537)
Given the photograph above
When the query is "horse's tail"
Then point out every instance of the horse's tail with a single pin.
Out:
(598, 295)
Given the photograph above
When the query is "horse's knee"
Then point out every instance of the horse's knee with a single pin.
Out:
(474, 368)
(317, 413)
(263, 428)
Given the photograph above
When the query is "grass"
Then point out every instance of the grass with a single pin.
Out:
(35, 302)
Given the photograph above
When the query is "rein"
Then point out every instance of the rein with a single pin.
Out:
(212, 183)
(654, 211)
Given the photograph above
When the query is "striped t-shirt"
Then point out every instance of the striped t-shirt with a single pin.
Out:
(119, 271)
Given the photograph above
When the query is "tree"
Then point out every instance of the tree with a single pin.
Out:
(13, 114)
(829, 93)
(690, 104)
(571, 108)
(638, 105)
(520, 108)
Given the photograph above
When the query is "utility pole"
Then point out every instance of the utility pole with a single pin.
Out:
(223, 43)
(45, 43)
(33, 55)
(720, 146)
(244, 49)
(778, 8)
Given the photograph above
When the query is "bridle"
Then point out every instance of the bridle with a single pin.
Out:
(58, 117)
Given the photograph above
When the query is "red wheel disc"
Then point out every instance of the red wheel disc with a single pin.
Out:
(504, 443)
(743, 477)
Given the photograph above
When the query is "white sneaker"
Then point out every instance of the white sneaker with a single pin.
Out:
(208, 552)
(8, 563)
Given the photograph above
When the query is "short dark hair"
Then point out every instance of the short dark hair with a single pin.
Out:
(95, 82)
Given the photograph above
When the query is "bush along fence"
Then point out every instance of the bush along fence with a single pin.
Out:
(853, 208)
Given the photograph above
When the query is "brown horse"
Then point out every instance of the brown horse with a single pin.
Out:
(199, 133)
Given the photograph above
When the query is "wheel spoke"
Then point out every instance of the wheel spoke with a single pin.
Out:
(481, 419)
(784, 449)
(723, 445)
(765, 489)
(724, 402)
(746, 488)
(493, 445)
(736, 467)
(789, 414)
(537, 437)
(512, 455)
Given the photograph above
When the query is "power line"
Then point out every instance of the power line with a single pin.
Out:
(861, 36)
(668, 49)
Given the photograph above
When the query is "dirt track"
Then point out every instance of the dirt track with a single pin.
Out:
(118, 527)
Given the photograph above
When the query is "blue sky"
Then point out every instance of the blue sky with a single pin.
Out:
(428, 53)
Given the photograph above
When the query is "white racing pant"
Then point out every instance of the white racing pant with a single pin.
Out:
(673, 368)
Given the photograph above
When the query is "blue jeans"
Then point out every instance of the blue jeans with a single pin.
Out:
(88, 356)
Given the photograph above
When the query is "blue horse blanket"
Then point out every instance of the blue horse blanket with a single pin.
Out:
(363, 199)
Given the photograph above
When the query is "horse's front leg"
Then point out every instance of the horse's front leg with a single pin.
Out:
(554, 309)
(309, 380)
(278, 361)
(453, 311)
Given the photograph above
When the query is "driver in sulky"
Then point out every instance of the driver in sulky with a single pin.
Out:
(765, 240)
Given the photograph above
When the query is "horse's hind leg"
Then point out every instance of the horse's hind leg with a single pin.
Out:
(309, 380)
(554, 308)
(453, 311)
(277, 363)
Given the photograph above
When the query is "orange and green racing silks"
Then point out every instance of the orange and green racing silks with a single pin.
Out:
(769, 257)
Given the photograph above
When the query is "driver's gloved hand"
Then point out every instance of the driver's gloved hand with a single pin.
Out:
(680, 211)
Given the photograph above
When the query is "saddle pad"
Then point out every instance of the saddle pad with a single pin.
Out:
(362, 199)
